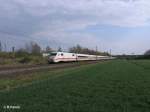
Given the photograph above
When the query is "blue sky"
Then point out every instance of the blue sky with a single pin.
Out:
(120, 25)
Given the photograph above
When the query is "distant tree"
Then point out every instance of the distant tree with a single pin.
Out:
(48, 49)
(76, 49)
(59, 49)
(36, 49)
(5, 47)
(33, 48)
(28, 47)
(147, 52)
(83, 50)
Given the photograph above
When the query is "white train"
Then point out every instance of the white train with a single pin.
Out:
(66, 57)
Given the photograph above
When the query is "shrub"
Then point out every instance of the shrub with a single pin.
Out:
(25, 59)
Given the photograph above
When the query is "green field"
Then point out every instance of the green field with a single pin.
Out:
(112, 86)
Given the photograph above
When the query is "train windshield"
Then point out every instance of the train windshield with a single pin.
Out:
(53, 54)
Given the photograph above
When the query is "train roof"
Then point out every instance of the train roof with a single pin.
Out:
(80, 54)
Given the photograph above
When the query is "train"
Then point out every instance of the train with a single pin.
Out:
(56, 57)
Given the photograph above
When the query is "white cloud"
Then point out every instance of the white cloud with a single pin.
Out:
(129, 13)
(60, 20)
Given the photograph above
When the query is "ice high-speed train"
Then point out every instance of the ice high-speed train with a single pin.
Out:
(56, 57)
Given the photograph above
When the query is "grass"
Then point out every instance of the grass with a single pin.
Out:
(114, 86)
(16, 81)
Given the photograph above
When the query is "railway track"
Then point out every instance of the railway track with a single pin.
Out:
(12, 71)
(18, 66)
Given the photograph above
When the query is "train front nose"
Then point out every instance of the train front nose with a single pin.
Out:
(51, 59)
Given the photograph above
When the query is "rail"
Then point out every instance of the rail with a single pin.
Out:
(29, 69)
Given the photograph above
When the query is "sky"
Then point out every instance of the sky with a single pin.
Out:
(120, 25)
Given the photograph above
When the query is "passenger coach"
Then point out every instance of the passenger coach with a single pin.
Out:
(68, 57)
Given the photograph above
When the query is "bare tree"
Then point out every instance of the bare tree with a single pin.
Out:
(76, 49)
(28, 47)
(5, 47)
(33, 47)
(36, 49)
(83, 50)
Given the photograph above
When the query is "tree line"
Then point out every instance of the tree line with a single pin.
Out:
(84, 50)
(35, 48)
(147, 52)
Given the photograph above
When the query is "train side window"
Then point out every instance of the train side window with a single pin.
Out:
(53, 54)
(62, 54)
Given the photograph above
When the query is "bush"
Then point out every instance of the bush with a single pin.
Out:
(21, 57)
(21, 54)
(7, 55)
(25, 59)
(38, 60)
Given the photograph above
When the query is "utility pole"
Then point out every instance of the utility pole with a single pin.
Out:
(0, 46)
(110, 52)
(13, 49)
(96, 52)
